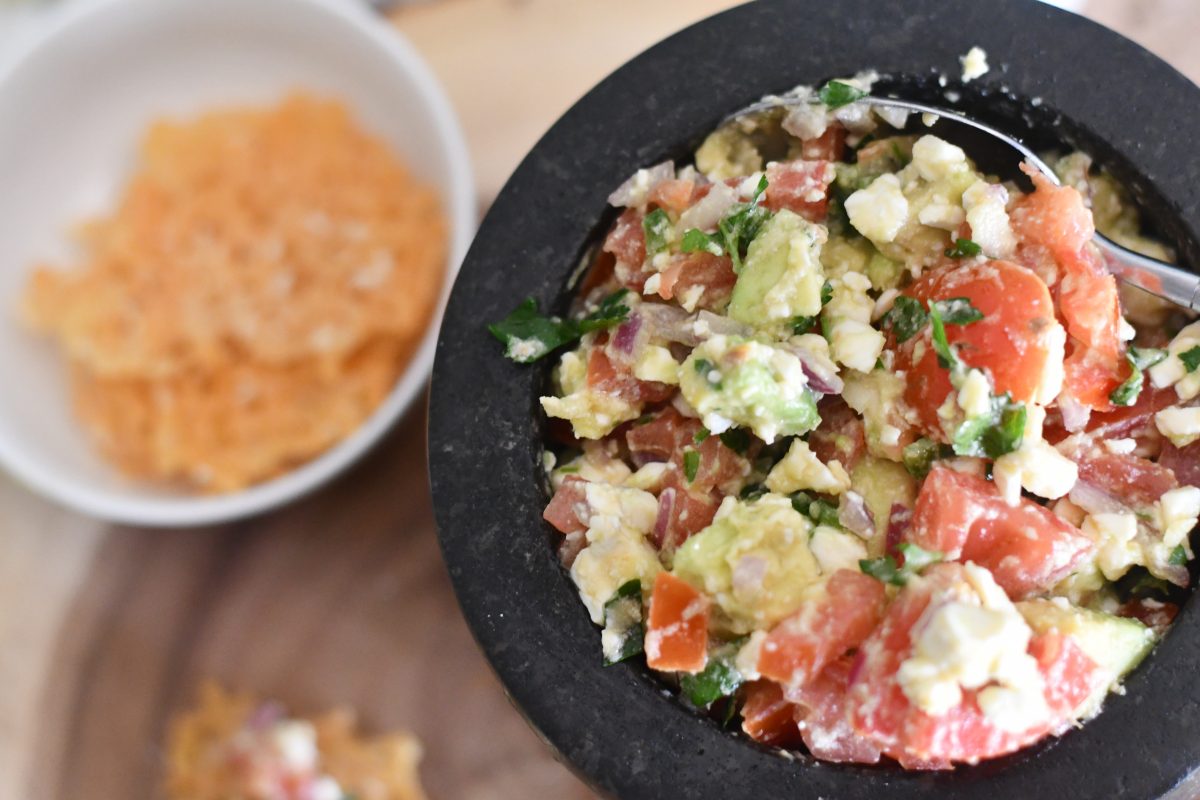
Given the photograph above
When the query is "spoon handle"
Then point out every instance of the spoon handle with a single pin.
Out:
(1170, 283)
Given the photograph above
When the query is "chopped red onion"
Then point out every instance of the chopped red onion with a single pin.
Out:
(1075, 416)
(899, 522)
(710, 209)
(666, 502)
(627, 334)
(634, 191)
(855, 516)
(820, 371)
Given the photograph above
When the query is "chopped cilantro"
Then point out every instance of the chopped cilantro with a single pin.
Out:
(623, 613)
(696, 240)
(958, 311)
(719, 679)
(906, 318)
(691, 465)
(702, 366)
(1178, 557)
(993, 434)
(1191, 358)
(887, 570)
(742, 224)
(946, 357)
(963, 248)
(657, 229)
(836, 94)
(1139, 359)
(529, 336)
(736, 440)
(701, 435)
(816, 509)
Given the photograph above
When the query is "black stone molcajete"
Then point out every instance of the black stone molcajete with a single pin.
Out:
(616, 726)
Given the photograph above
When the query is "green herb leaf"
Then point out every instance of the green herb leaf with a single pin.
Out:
(656, 226)
(1191, 358)
(691, 465)
(741, 224)
(946, 357)
(958, 311)
(887, 570)
(963, 248)
(701, 435)
(804, 324)
(529, 336)
(994, 434)
(816, 509)
(623, 615)
(696, 240)
(611, 312)
(719, 679)
(906, 318)
(736, 440)
(920, 455)
(836, 94)
(1178, 557)
(1131, 388)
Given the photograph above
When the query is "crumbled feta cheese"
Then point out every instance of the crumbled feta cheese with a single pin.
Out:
(975, 394)
(985, 204)
(1171, 370)
(326, 788)
(1116, 549)
(941, 214)
(691, 297)
(296, 743)
(746, 660)
(1175, 514)
(652, 284)
(936, 159)
(974, 64)
(1180, 425)
(617, 550)
(524, 350)
(1120, 447)
(592, 414)
(800, 470)
(649, 477)
(835, 549)
(1125, 331)
(896, 117)
(972, 639)
(847, 315)
(656, 364)
(880, 210)
(1053, 342)
(1035, 466)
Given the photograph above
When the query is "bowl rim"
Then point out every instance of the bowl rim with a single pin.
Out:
(612, 725)
(458, 197)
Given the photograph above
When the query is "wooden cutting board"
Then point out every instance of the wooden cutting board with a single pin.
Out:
(340, 598)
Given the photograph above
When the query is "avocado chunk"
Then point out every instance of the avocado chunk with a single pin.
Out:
(734, 381)
(1116, 644)
(764, 544)
(782, 276)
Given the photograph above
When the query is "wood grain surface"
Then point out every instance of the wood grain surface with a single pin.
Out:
(340, 598)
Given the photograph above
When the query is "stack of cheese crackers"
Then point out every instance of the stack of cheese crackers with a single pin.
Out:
(253, 297)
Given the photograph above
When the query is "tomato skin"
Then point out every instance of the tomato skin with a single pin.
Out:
(1027, 548)
(821, 708)
(563, 510)
(673, 194)
(837, 618)
(829, 146)
(626, 241)
(769, 718)
(1008, 342)
(1183, 462)
(801, 187)
(1137, 482)
(677, 629)
(688, 270)
(881, 712)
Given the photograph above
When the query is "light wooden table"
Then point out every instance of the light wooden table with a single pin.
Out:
(340, 598)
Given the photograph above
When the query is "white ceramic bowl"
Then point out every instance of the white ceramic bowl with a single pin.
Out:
(72, 108)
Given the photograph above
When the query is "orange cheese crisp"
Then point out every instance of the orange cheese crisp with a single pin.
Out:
(253, 297)
(235, 746)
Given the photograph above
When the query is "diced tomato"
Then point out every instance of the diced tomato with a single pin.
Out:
(682, 512)
(1007, 342)
(627, 242)
(1090, 378)
(1183, 462)
(881, 712)
(677, 629)
(822, 719)
(1054, 217)
(801, 187)
(1027, 548)
(1137, 482)
(767, 717)
(1089, 304)
(834, 618)
(567, 506)
(1151, 613)
(1122, 422)
(673, 194)
(661, 437)
(829, 146)
(688, 270)
(899, 522)
(841, 435)
(605, 376)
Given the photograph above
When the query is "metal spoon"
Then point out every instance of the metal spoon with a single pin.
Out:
(1157, 277)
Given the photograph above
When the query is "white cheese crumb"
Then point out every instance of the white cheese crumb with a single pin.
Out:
(1175, 514)
(800, 470)
(1180, 425)
(974, 64)
(1172, 370)
(1114, 534)
(880, 210)
(936, 159)
(985, 204)
(1120, 447)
